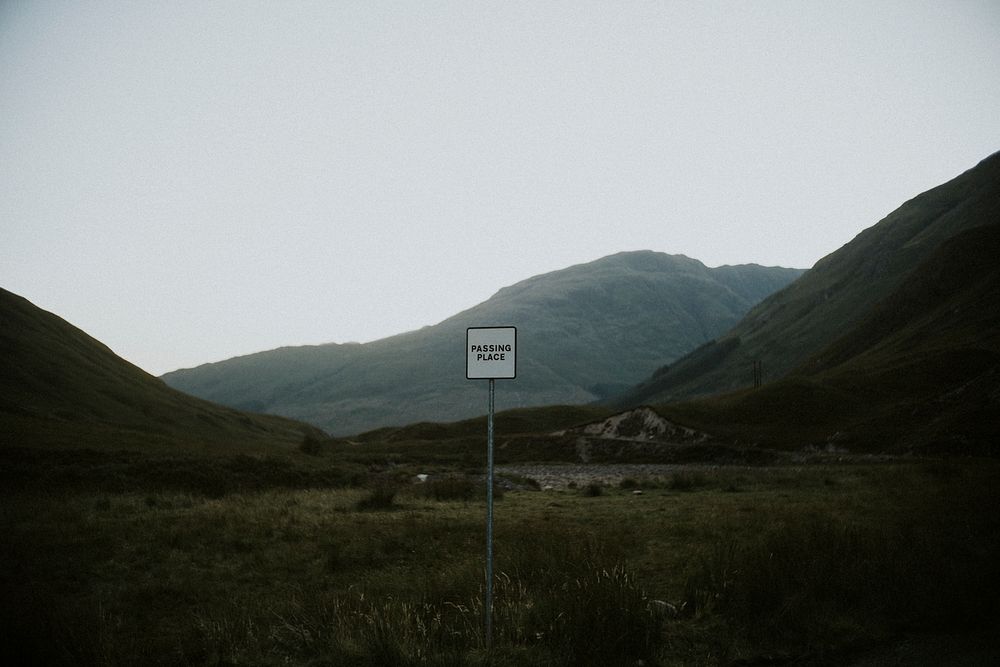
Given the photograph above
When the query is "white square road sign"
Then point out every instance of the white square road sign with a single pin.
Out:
(490, 353)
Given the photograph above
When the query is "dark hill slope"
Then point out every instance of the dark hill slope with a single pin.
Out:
(60, 387)
(583, 333)
(921, 372)
(833, 297)
(951, 301)
(928, 357)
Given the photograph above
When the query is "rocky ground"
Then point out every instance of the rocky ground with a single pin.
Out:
(561, 476)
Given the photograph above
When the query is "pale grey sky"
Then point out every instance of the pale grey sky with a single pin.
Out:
(189, 181)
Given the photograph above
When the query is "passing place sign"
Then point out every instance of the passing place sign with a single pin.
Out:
(490, 353)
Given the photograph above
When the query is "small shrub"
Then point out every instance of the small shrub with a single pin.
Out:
(686, 481)
(498, 491)
(593, 490)
(449, 488)
(311, 445)
(382, 497)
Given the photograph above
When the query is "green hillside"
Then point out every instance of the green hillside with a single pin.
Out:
(584, 333)
(61, 388)
(919, 373)
(835, 296)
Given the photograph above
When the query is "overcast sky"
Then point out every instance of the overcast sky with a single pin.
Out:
(190, 181)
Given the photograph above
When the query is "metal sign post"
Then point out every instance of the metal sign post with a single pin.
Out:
(488, 601)
(491, 354)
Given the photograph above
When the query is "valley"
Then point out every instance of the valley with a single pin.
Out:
(842, 512)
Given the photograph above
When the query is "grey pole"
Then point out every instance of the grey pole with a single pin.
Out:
(489, 523)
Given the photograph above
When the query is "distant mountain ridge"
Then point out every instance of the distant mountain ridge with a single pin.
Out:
(584, 333)
(796, 323)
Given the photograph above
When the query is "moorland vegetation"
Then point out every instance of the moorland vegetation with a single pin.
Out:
(350, 562)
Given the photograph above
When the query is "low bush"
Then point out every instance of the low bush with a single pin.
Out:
(686, 481)
(382, 497)
(451, 487)
(312, 445)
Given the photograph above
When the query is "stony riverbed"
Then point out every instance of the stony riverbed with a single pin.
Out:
(556, 476)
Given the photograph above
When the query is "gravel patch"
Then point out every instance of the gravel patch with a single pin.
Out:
(561, 476)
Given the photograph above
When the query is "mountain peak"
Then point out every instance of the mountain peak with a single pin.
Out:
(583, 332)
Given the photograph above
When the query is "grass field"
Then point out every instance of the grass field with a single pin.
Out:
(814, 564)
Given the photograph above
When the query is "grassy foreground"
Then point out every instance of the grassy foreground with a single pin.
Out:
(720, 566)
